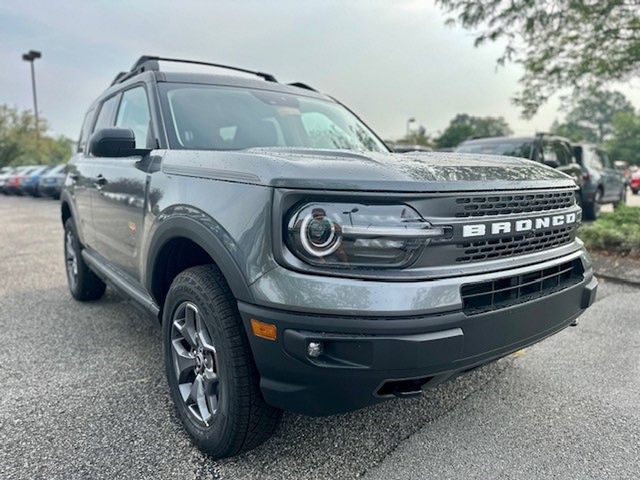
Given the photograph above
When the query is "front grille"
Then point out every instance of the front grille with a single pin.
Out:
(514, 245)
(487, 205)
(504, 292)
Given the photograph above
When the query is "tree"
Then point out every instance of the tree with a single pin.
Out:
(595, 110)
(19, 144)
(573, 131)
(576, 44)
(417, 137)
(464, 126)
(625, 141)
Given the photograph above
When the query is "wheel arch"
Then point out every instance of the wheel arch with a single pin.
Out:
(185, 234)
(68, 210)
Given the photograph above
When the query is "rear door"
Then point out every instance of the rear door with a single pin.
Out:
(566, 161)
(611, 178)
(119, 197)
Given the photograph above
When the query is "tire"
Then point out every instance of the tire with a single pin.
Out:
(216, 390)
(623, 198)
(84, 285)
(592, 209)
(635, 192)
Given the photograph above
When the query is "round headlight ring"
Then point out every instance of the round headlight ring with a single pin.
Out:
(328, 246)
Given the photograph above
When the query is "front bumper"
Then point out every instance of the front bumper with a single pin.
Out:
(367, 358)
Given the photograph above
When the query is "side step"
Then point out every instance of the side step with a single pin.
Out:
(121, 283)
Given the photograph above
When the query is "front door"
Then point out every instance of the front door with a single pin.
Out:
(119, 198)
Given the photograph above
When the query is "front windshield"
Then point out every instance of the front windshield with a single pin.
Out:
(207, 117)
(514, 148)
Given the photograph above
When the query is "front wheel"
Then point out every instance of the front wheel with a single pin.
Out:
(213, 380)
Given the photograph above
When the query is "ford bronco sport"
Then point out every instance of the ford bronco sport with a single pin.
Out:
(294, 262)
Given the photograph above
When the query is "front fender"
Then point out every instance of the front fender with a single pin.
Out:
(187, 222)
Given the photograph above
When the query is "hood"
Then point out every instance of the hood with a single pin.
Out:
(346, 170)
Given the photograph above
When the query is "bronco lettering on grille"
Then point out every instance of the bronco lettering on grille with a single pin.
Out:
(523, 225)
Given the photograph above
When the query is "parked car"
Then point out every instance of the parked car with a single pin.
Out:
(634, 182)
(294, 262)
(30, 181)
(602, 182)
(14, 182)
(51, 183)
(551, 150)
(406, 148)
(5, 173)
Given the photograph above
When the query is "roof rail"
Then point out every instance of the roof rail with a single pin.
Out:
(302, 85)
(150, 63)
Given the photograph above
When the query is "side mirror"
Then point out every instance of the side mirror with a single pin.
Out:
(552, 162)
(114, 142)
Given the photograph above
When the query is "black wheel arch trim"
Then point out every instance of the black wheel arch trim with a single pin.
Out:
(181, 226)
(67, 199)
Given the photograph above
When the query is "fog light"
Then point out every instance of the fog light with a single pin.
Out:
(314, 349)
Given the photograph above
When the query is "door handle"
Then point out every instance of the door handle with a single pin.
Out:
(100, 182)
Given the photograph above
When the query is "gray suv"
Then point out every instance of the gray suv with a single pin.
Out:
(293, 262)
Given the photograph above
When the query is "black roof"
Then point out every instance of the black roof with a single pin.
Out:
(147, 69)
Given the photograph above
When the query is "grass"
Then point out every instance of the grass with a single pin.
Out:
(617, 232)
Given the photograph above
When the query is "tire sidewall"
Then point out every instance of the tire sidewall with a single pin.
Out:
(214, 438)
(74, 288)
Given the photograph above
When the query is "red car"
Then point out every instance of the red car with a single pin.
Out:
(634, 182)
(13, 182)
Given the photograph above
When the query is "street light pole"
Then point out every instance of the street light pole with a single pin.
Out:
(409, 122)
(31, 57)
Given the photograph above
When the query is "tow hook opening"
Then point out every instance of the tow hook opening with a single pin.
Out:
(403, 388)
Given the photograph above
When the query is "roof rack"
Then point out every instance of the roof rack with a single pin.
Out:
(150, 63)
(302, 85)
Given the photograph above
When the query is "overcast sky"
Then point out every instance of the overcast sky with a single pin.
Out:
(387, 60)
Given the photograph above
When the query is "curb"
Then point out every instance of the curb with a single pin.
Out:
(617, 269)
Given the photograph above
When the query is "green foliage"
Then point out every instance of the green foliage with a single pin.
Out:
(573, 131)
(625, 142)
(578, 44)
(617, 232)
(19, 144)
(594, 111)
(464, 126)
(417, 137)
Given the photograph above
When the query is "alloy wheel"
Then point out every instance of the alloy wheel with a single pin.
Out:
(71, 258)
(195, 363)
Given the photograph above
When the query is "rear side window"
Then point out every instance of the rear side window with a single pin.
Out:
(604, 159)
(134, 114)
(86, 129)
(563, 153)
(593, 159)
(105, 117)
(549, 153)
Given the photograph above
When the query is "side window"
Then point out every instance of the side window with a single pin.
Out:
(548, 152)
(594, 160)
(134, 114)
(105, 117)
(562, 153)
(604, 158)
(86, 128)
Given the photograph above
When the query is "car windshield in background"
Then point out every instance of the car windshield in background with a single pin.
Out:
(514, 148)
(57, 169)
(209, 117)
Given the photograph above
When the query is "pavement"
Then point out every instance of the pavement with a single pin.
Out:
(84, 395)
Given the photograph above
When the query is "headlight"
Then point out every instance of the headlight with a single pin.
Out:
(348, 235)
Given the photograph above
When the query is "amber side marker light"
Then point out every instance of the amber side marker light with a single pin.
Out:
(264, 330)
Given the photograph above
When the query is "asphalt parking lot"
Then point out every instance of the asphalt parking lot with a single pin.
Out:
(84, 395)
